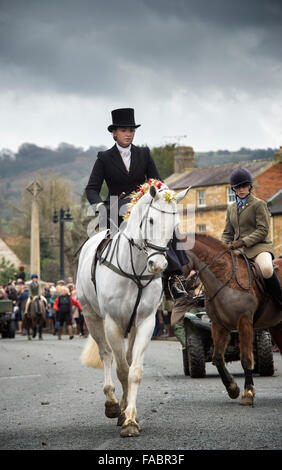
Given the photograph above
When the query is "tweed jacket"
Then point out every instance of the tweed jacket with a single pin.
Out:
(109, 167)
(251, 226)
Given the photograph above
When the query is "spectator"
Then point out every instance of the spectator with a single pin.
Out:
(63, 306)
(55, 292)
(78, 317)
(21, 274)
(50, 313)
(3, 294)
(22, 297)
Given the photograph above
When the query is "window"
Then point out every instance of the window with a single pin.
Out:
(230, 196)
(201, 228)
(201, 198)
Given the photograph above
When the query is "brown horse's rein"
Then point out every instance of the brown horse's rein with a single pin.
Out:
(234, 270)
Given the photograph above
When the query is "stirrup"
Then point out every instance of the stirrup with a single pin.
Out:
(175, 291)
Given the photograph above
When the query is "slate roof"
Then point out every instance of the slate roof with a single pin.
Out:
(215, 175)
(275, 203)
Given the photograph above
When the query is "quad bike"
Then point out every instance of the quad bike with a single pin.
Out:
(199, 347)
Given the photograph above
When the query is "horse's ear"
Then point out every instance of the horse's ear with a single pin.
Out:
(182, 194)
(153, 192)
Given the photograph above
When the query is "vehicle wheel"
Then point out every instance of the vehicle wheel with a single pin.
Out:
(12, 329)
(196, 356)
(185, 361)
(4, 333)
(264, 353)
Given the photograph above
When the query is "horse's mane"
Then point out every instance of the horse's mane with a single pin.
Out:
(211, 242)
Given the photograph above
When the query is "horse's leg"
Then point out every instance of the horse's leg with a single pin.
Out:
(131, 339)
(143, 337)
(117, 342)
(95, 326)
(221, 339)
(34, 327)
(40, 325)
(27, 327)
(246, 333)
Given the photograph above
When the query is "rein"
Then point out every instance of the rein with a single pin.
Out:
(233, 273)
(136, 278)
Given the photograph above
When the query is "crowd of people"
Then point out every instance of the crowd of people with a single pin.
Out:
(62, 306)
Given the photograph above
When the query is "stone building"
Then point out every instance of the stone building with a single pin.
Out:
(8, 254)
(204, 208)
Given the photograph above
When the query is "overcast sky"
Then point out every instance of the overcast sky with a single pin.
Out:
(208, 69)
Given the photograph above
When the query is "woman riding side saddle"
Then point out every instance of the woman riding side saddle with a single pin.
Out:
(124, 167)
(246, 228)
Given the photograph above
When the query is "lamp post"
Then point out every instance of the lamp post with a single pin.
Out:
(65, 216)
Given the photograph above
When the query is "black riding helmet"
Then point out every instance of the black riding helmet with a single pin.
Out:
(240, 176)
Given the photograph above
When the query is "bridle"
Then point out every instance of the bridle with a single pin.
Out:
(144, 247)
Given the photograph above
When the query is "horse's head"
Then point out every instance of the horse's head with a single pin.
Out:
(152, 221)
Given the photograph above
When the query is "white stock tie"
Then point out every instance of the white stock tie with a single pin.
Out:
(126, 158)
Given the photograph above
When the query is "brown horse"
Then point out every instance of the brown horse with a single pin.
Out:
(234, 301)
(35, 317)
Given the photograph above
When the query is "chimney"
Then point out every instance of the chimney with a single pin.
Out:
(278, 155)
(183, 159)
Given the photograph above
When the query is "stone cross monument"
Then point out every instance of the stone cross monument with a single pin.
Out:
(34, 188)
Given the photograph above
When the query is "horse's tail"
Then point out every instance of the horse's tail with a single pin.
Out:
(90, 355)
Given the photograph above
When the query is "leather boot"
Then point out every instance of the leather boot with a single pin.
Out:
(175, 288)
(60, 329)
(70, 331)
(274, 288)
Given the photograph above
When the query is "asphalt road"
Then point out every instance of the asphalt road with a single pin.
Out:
(49, 401)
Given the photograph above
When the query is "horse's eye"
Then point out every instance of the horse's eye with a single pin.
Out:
(151, 221)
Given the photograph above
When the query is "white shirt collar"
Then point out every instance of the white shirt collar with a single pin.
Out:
(123, 149)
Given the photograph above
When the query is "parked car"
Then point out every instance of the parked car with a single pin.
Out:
(7, 319)
(199, 347)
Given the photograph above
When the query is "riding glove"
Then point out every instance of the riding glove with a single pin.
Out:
(237, 244)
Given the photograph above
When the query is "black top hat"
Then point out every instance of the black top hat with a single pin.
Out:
(123, 117)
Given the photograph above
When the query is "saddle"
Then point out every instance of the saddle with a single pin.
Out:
(98, 255)
(257, 276)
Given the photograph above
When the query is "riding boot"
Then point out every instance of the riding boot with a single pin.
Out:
(70, 331)
(175, 288)
(274, 288)
(60, 329)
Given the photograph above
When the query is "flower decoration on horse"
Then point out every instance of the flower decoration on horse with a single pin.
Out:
(169, 195)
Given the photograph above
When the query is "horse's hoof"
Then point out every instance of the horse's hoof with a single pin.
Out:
(233, 390)
(130, 430)
(112, 410)
(29, 338)
(122, 418)
(248, 398)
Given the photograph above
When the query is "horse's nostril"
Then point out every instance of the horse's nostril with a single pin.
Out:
(151, 264)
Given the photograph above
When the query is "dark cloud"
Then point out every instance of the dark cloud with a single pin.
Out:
(96, 48)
